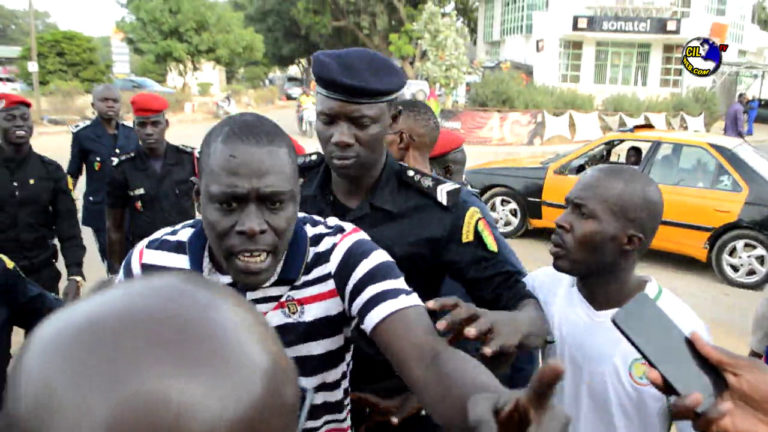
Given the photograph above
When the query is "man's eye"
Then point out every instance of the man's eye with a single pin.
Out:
(274, 204)
(228, 205)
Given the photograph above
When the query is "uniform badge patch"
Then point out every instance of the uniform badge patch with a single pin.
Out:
(32, 181)
(138, 206)
(8, 263)
(135, 192)
(637, 369)
(293, 308)
(470, 220)
(487, 235)
(97, 165)
(426, 182)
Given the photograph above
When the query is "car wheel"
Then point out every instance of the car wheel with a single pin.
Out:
(420, 96)
(508, 210)
(740, 258)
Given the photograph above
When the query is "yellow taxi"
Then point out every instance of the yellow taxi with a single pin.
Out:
(715, 191)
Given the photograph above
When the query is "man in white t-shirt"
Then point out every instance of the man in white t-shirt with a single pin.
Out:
(612, 214)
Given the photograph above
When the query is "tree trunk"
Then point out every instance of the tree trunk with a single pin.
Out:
(408, 69)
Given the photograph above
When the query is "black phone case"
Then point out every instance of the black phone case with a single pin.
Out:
(668, 349)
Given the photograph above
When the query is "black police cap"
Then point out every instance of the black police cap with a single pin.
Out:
(357, 75)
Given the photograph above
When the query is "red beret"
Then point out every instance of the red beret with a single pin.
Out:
(298, 147)
(10, 100)
(447, 142)
(148, 104)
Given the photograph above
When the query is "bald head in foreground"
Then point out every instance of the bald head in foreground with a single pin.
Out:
(172, 352)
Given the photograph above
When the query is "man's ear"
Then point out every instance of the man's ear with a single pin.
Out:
(167, 123)
(196, 194)
(633, 242)
(395, 117)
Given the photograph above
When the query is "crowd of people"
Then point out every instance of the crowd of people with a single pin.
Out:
(256, 287)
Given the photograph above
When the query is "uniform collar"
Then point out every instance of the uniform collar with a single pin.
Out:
(384, 192)
(171, 156)
(292, 265)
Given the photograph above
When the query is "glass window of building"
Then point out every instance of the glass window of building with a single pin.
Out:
(671, 66)
(622, 63)
(570, 60)
(517, 16)
(494, 51)
(488, 21)
(716, 7)
(681, 8)
(736, 29)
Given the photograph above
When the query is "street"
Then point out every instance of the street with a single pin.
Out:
(728, 311)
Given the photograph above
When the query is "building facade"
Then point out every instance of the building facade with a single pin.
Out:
(603, 47)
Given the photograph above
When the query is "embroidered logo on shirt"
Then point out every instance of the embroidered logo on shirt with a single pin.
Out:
(292, 308)
(487, 234)
(97, 166)
(637, 369)
(138, 206)
(470, 219)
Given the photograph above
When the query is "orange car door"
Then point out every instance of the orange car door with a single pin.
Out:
(701, 192)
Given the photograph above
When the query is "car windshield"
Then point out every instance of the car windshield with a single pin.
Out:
(756, 158)
(557, 156)
(147, 83)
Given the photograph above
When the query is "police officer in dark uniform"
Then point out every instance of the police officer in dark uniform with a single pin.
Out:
(36, 205)
(421, 220)
(23, 304)
(154, 184)
(96, 144)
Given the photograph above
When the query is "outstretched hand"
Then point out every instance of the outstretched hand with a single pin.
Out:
(743, 406)
(529, 410)
(497, 329)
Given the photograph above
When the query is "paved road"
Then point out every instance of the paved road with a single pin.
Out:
(726, 310)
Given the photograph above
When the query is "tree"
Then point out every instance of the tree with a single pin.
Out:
(147, 67)
(14, 25)
(284, 39)
(65, 56)
(443, 41)
(186, 33)
(761, 18)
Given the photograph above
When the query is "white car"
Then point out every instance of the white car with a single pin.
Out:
(9, 84)
(416, 89)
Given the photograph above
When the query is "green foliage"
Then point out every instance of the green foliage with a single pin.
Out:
(204, 88)
(445, 43)
(146, 66)
(105, 49)
(401, 44)
(188, 32)
(63, 88)
(694, 102)
(253, 76)
(762, 15)
(65, 56)
(506, 90)
(236, 90)
(14, 25)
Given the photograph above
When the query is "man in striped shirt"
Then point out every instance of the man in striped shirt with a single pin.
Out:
(313, 279)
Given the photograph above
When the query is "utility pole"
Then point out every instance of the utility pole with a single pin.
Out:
(33, 66)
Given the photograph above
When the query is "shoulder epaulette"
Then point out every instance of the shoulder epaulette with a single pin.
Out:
(116, 160)
(310, 160)
(186, 149)
(77, 126)
(444, 191)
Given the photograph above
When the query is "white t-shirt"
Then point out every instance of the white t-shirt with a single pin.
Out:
(604, 387)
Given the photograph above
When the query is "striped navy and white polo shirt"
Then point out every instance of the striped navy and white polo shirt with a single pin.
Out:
(332, 276)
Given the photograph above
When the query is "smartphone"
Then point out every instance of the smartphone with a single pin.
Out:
(668, 350)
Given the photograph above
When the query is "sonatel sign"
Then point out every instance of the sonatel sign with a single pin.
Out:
(617, 24)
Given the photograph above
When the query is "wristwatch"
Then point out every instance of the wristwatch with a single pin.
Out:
(79, 279)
